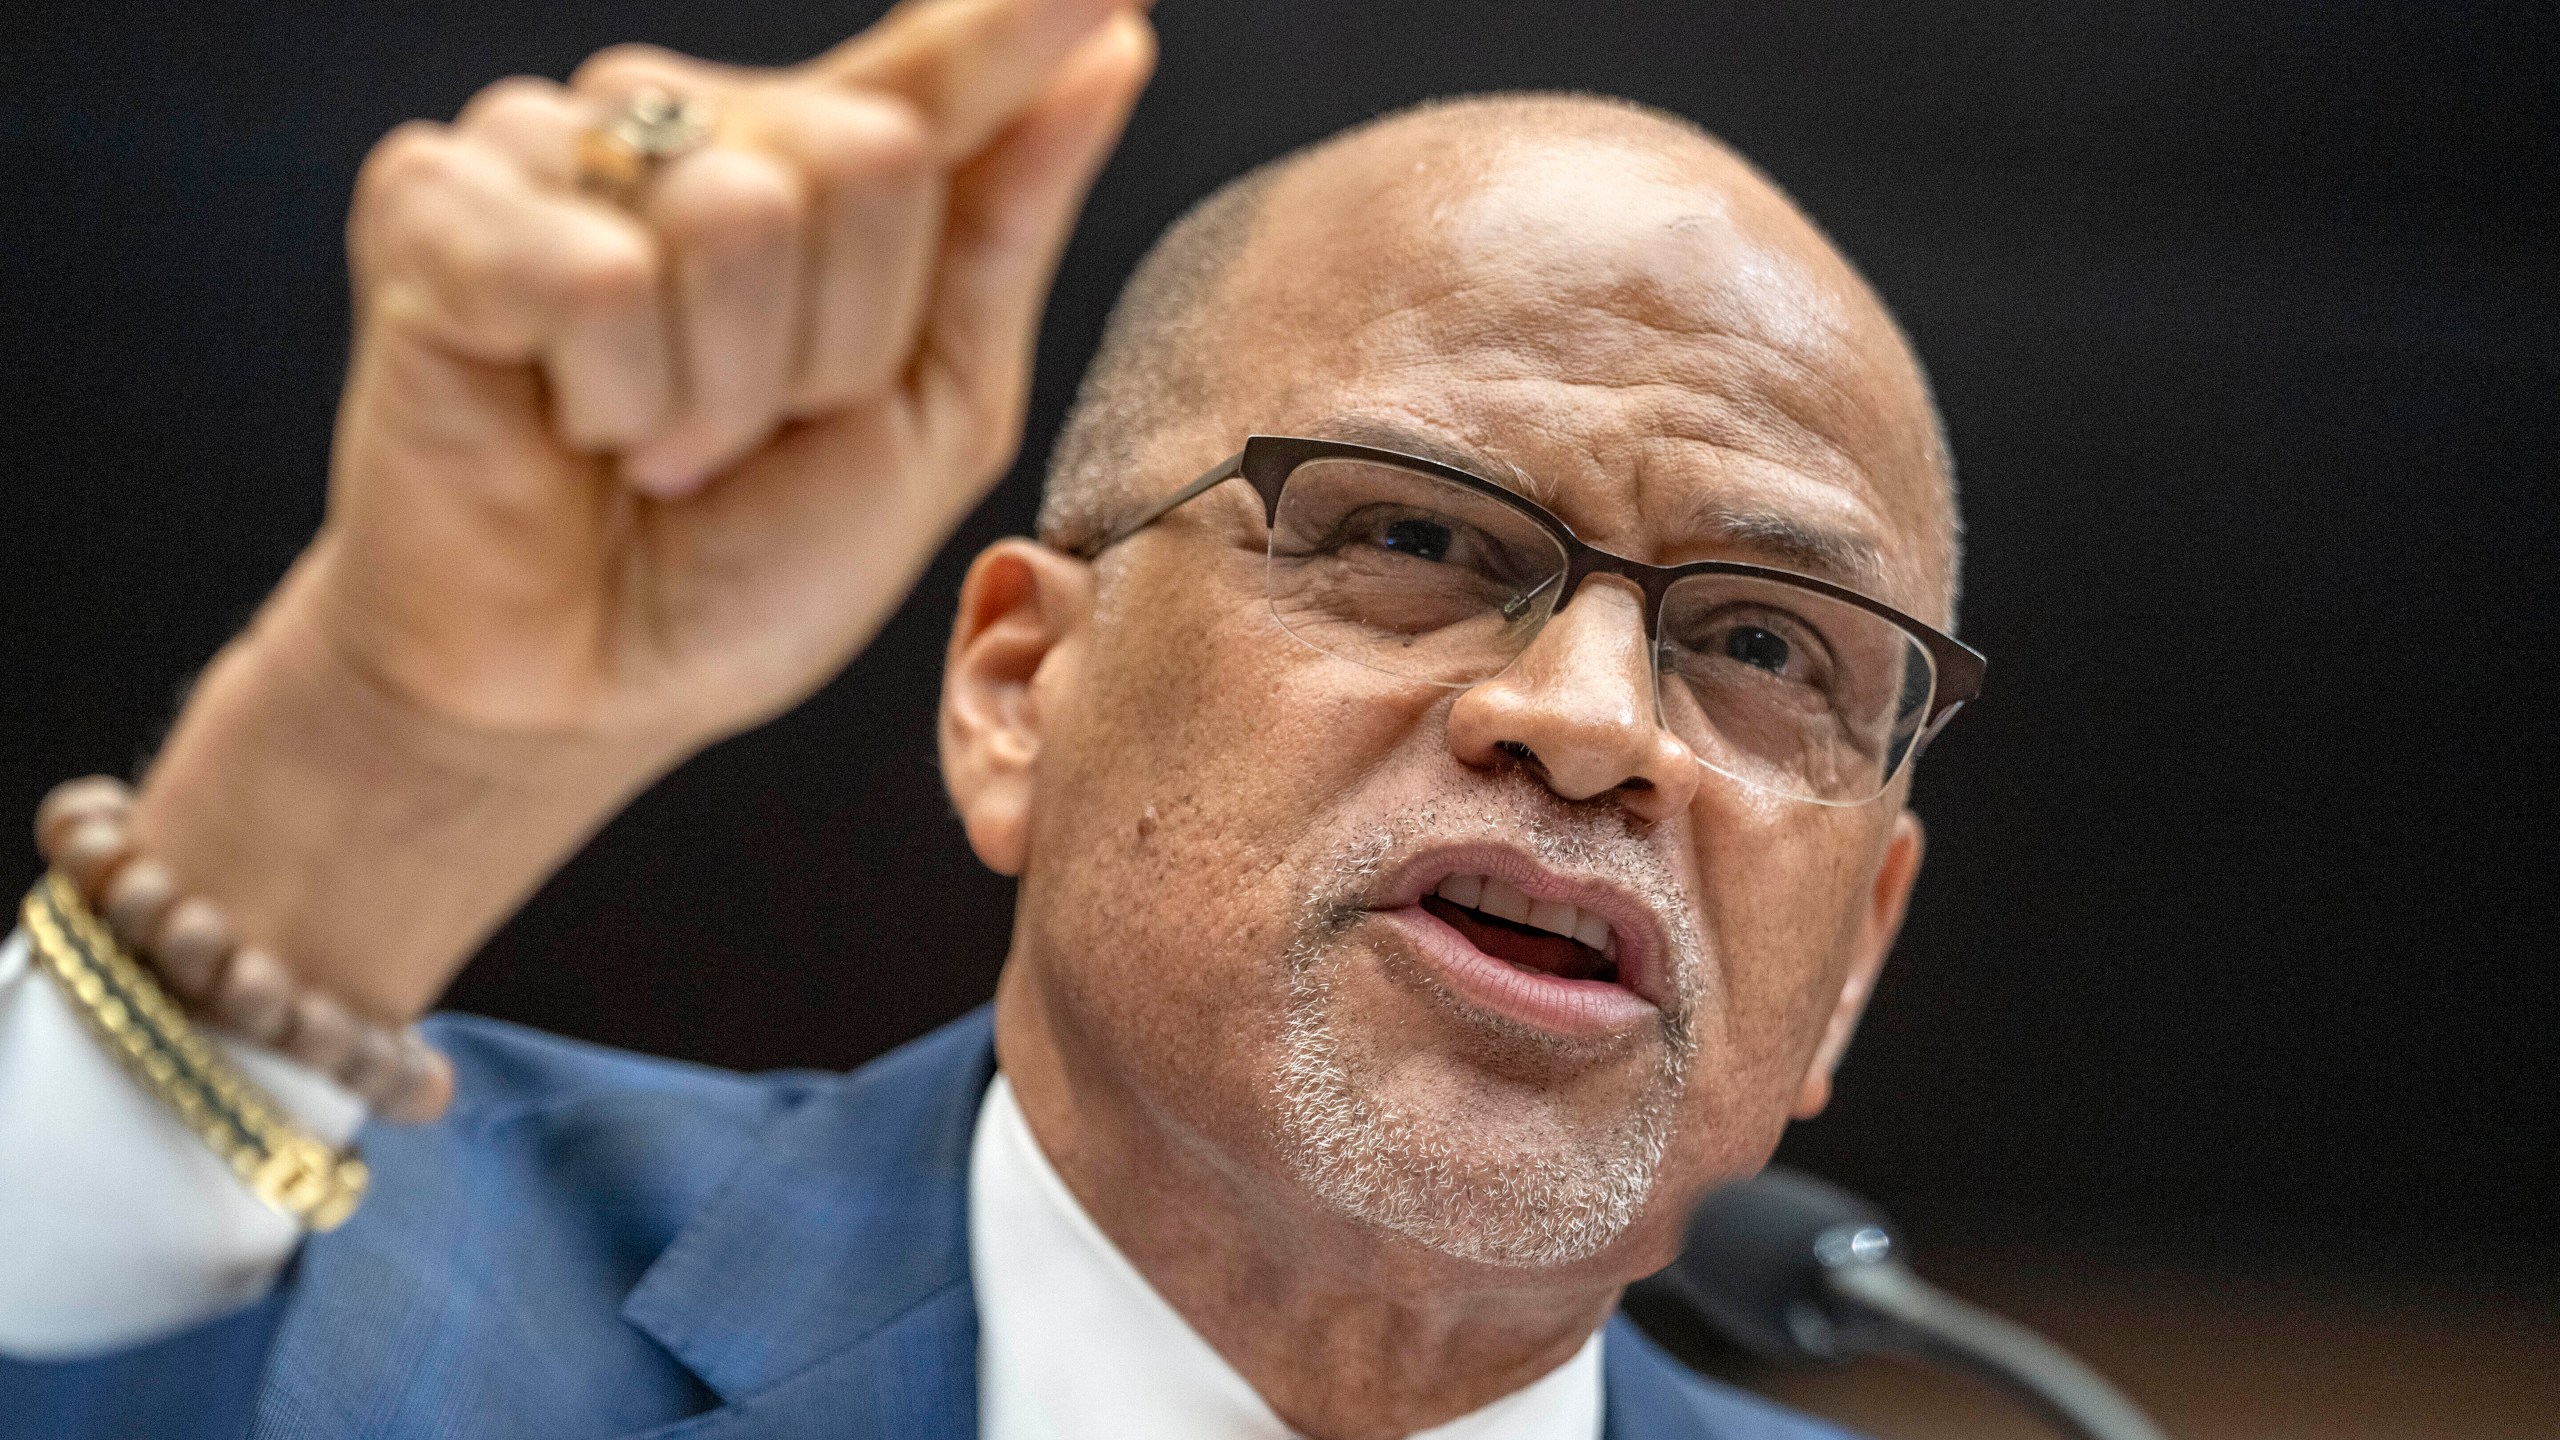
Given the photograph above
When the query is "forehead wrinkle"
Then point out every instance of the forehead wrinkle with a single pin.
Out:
(1418, 436)
(1737, 418)
(1768, 388)
(1816, 395)
(1791, 540)
(1780, 403)
(1829, 414)
(1639, 415)
(1744, 418)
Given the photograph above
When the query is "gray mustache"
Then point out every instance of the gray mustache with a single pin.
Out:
(1585, 842)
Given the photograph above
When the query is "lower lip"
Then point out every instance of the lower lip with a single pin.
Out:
(1576, 1008)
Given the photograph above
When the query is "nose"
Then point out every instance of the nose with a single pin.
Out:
(1576, 709)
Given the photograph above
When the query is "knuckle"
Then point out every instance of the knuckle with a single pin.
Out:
(728, 197)
(468, 261)
(621, 67)
(867, 141)
(608, 270)
(517, 95)
(468, 266)
(419, 152)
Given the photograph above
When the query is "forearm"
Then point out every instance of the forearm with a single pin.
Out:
(370, 844)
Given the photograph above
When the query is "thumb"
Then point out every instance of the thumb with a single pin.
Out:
(1011, 212)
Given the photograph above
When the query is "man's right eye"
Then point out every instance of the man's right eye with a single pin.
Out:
(1421, 539)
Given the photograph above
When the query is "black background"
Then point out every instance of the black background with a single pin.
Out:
(2246, 318)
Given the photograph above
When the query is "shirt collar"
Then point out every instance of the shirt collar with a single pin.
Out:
(1074, 1344)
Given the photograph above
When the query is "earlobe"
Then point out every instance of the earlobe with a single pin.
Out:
(1886, 902)
(1019, 602)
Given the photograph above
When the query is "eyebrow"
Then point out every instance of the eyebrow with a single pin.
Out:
(1797, 544)
(1788, 541)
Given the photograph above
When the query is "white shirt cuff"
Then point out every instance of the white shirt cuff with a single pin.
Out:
(121, 1224)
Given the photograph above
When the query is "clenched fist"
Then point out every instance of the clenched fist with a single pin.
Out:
(662, 467)
(616, 476)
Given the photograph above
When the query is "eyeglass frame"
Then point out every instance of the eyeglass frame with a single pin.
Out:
(1267, 461)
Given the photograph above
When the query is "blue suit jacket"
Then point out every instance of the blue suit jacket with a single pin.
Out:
(598, 1244)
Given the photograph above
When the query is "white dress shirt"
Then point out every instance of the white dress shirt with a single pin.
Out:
(1074, 1344)
(122, 1227)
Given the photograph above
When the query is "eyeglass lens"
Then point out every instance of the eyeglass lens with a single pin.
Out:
(1770, 683)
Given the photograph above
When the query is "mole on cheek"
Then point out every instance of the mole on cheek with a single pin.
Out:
(1146, 823)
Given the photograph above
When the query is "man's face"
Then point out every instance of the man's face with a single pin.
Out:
(1230, 896)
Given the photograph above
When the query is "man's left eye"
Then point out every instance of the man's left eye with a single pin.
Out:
(1754, 646)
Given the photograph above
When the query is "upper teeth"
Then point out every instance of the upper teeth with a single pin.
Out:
(1498, 897)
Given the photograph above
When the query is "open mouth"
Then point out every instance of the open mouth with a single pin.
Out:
(1544, 937)
(1587, 968)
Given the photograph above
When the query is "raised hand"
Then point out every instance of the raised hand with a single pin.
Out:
(618, 475)
(664, 468)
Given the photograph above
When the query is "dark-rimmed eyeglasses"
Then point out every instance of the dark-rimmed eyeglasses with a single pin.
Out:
(1785, 682)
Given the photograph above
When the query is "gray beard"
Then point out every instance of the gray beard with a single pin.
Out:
(1416, 1173)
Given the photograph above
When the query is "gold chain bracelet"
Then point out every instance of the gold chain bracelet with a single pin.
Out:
(284, 1165)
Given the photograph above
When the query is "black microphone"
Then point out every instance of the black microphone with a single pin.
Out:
(1794, 1268)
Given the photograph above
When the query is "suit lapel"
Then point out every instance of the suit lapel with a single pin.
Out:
(1629, 1402)
(1647, 1395)
(825, 1290)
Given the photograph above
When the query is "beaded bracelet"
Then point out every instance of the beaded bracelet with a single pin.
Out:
(84, 829)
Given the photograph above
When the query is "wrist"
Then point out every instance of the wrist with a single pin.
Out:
(371, 843)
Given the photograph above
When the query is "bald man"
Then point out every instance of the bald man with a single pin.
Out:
(1451, 735)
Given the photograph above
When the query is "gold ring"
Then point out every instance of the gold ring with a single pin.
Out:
(650, 131)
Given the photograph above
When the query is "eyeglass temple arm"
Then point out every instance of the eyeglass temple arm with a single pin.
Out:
(1217, 474)
(1936, 724)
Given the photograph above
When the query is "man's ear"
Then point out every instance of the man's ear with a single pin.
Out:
(1887, 900)
(1021, 603)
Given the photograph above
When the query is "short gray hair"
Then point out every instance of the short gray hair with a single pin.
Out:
(1152, 364)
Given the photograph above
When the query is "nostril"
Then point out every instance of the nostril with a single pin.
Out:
(1528, 760)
